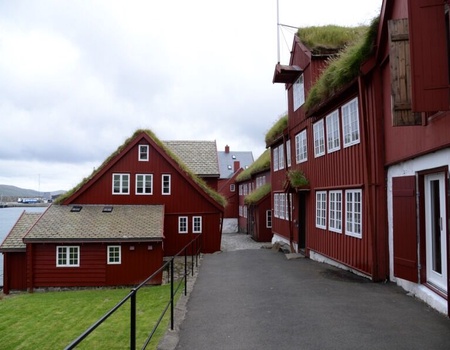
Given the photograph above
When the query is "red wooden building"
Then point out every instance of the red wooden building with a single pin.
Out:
(386, 120)
(340, 217)
(413, 62)
(255, 212)
(141, 204)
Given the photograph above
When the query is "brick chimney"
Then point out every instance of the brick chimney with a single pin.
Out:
(237, 165)
(227, 149)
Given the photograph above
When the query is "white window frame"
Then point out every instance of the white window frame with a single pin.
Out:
(319, 138)
(275, 158)
(66, 256)
(245, 211)
(350, 123)
(112, 250)
(121, 179)
(299, 92)
(275, 205)
(280, 157)
(281, 205)
(301, 147)
(183, 224)
(144, 181)
(232, 188)
(321, 209)
(335, 211)
(241, 211)
(333, 132)
(353, 213)
(196, 224)
(143, 153)
(166, 189)
(269, 218)
(288, 153)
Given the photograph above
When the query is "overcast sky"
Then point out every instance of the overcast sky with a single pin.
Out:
(77, 78)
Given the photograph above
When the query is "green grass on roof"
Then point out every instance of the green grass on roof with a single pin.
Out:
(213, 194)
(256, 195)
(259, 165)
(344, 68)
(276, 130)
(329, 38)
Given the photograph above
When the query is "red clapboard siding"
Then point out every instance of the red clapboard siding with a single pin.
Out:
(15, 271)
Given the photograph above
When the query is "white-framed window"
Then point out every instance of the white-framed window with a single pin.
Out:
(280, 157)
(144, 184)
(301, 153)
(335, 211)
(232, 188)
(299, 92)
(240, 190)
(245, 211)
(319, 139)
(333, 132)
(197, 224)
(275, 158)
(281, 205)
(67, 256)
(353, 213)
(121, 184)
(275, 205)
(245, 189)
(182, 224)
(288, 153)
(165, 188)
(114, 255)
(143, 153)
(268, 218)
(350, 123)
(321, 209)
(241, 211)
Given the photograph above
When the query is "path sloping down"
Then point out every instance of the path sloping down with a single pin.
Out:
(259, 299)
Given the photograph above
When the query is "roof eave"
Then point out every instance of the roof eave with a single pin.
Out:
(286, 74)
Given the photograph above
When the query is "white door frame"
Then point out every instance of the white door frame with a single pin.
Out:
(436, 230)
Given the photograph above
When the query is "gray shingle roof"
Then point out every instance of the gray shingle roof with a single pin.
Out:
(226, 162)
(13, 241)
(123, 223)
(199, 156)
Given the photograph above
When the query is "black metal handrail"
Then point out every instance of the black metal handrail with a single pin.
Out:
(195, 249)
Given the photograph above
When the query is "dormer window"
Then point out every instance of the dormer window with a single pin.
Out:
(143, 153)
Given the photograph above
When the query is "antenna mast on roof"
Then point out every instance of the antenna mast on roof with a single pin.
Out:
(278, 32)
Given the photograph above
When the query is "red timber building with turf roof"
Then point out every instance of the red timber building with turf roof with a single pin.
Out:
(114, 228)
(370, 131)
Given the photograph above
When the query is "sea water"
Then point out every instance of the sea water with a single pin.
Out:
(8, 217)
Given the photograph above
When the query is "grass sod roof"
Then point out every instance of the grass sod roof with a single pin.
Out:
(213, 194)
(261, 164)
(276, 130)
(256, 195)
(345, 66)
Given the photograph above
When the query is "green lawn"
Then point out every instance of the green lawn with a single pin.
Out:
(52, 320)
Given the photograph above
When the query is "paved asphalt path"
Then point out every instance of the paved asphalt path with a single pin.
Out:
(258, 299)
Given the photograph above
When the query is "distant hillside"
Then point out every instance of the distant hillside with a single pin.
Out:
(13, 191)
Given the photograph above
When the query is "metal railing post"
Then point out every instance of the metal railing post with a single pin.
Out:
(171, 295)
(133, 320)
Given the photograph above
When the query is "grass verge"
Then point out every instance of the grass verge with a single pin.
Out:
(52, 320)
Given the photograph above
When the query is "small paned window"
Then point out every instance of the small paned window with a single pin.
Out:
(275, 158)
(197, 224)
(319, 139)
(275, 205)
(288, 153)
(353, 213)
(232, 188)
(299, 93)
(281, 157)
(301, 154)
(76, 208)
(335, 211)
(114, 255)
(166, 184)
(182, 224)
(121, 183)
(350, 123)
(245, 211)
(321, 209)
(143, 153)
(333, 132)
(268, 218)
(68, 256)
(144, 184)
(281, 205)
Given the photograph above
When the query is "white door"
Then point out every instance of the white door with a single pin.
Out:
(436, 233)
